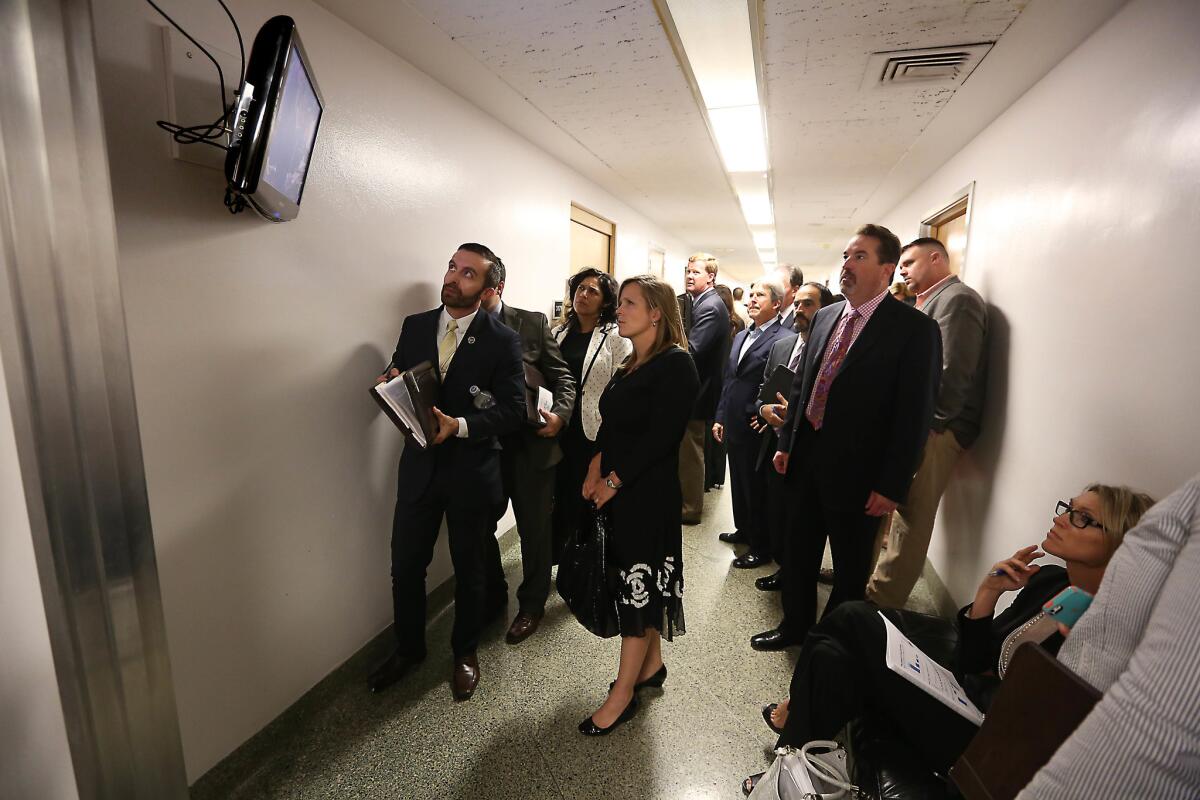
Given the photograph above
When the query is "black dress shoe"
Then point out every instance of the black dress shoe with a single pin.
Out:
(769, 641)
(750, 561)
(391, 670)
(736, 537)
(769, 583)
(590, 728)
(825, 576)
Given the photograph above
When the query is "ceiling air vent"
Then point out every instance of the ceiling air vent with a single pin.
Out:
(943, 66)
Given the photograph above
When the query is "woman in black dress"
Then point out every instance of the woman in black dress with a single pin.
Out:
(635, 476)
(841, 673)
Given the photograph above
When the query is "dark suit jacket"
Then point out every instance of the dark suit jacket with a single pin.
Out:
(685, 311)
(962, 315)
(706, 342)
(539, 349)
(879, 409)
(781, 351)
(739, 395)
(489, 360)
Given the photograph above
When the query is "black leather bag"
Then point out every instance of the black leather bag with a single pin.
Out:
(583, 576)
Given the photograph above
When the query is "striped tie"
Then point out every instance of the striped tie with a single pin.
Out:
(447, 346)
(829, 367)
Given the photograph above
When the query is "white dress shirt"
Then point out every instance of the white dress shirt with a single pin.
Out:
(755, 332)
(459, 333)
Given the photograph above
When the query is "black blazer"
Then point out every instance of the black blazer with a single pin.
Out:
(488, 360)
(879, 409)
(539, 349)
(781, 352)
(739, 393)
(707, 339)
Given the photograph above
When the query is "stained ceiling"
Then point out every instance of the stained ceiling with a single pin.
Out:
(598, 85)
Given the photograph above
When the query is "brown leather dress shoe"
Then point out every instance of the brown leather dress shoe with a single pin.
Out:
(522, 627)
(465, 677)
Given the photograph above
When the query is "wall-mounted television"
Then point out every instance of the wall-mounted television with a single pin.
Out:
(275, 124)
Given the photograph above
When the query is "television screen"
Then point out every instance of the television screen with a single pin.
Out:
(275, 126)
(294, 131)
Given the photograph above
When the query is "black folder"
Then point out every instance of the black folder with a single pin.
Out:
(779, 382)
(535, 382)
(408, 400)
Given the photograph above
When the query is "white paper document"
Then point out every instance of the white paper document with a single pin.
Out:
(395, 394)
(545, 401)
(906, 659)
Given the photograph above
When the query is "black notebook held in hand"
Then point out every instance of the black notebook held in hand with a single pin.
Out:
(780, 382)
(408, 400)
(538, 398)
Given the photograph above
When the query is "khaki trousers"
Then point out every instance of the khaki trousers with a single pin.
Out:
(691, 469)
(900, 564)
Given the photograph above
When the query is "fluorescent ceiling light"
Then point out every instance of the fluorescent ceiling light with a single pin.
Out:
(740, 137)
(764, 240)
(767, 256)
(754, 194)
(716, 37)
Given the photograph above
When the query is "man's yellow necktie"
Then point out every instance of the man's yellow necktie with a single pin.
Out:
(447, 346)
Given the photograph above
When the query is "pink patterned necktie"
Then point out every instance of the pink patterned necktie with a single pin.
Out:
(829, 367)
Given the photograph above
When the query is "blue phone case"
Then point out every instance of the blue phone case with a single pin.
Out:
(1068, 606)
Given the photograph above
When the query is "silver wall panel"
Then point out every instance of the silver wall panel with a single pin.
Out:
(66, 361)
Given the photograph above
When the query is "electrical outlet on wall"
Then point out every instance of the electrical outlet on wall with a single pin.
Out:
(193, 92)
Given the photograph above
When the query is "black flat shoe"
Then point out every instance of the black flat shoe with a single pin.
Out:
(391, 671)
(767, 711)
(733, 537)
(590, 728)
(655, 681)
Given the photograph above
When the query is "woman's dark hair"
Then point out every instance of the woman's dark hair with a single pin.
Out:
(608, 293)
(735, 322)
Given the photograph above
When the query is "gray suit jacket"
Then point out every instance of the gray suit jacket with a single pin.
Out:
(962, 316)
(539, 349)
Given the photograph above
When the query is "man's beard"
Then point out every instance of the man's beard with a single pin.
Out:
(800, 323)
(452, 297)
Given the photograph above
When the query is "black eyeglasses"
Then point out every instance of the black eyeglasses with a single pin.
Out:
(1080, 519)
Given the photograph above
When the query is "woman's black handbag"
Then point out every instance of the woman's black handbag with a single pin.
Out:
(583, 576)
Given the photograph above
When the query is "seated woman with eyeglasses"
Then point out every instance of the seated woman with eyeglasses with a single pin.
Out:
(841, 674)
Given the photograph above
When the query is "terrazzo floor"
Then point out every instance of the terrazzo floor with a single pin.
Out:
(516, 738)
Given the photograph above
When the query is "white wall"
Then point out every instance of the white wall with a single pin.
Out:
(35, 758)
(270, 472)
(1083, 239)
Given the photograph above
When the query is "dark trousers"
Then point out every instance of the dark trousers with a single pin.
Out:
(774, 522)
(813, 519)
(749, 494)
(531, 491)
(569, 504)
(714, 461)
(415, 528)
(841, 676)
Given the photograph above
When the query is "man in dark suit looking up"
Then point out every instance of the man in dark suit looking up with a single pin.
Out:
(481, 397)
(961, 315)
(858, 415)
(736, 409)
(707, 338)
(787, 351)
(527, 465)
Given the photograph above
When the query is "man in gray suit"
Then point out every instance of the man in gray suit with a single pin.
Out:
(962, 316)
(527, 465)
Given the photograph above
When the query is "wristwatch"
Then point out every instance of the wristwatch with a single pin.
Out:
(609, 483)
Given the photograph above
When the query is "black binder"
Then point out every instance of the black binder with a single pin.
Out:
(408, 400)
(780, 382)
(535, 381)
